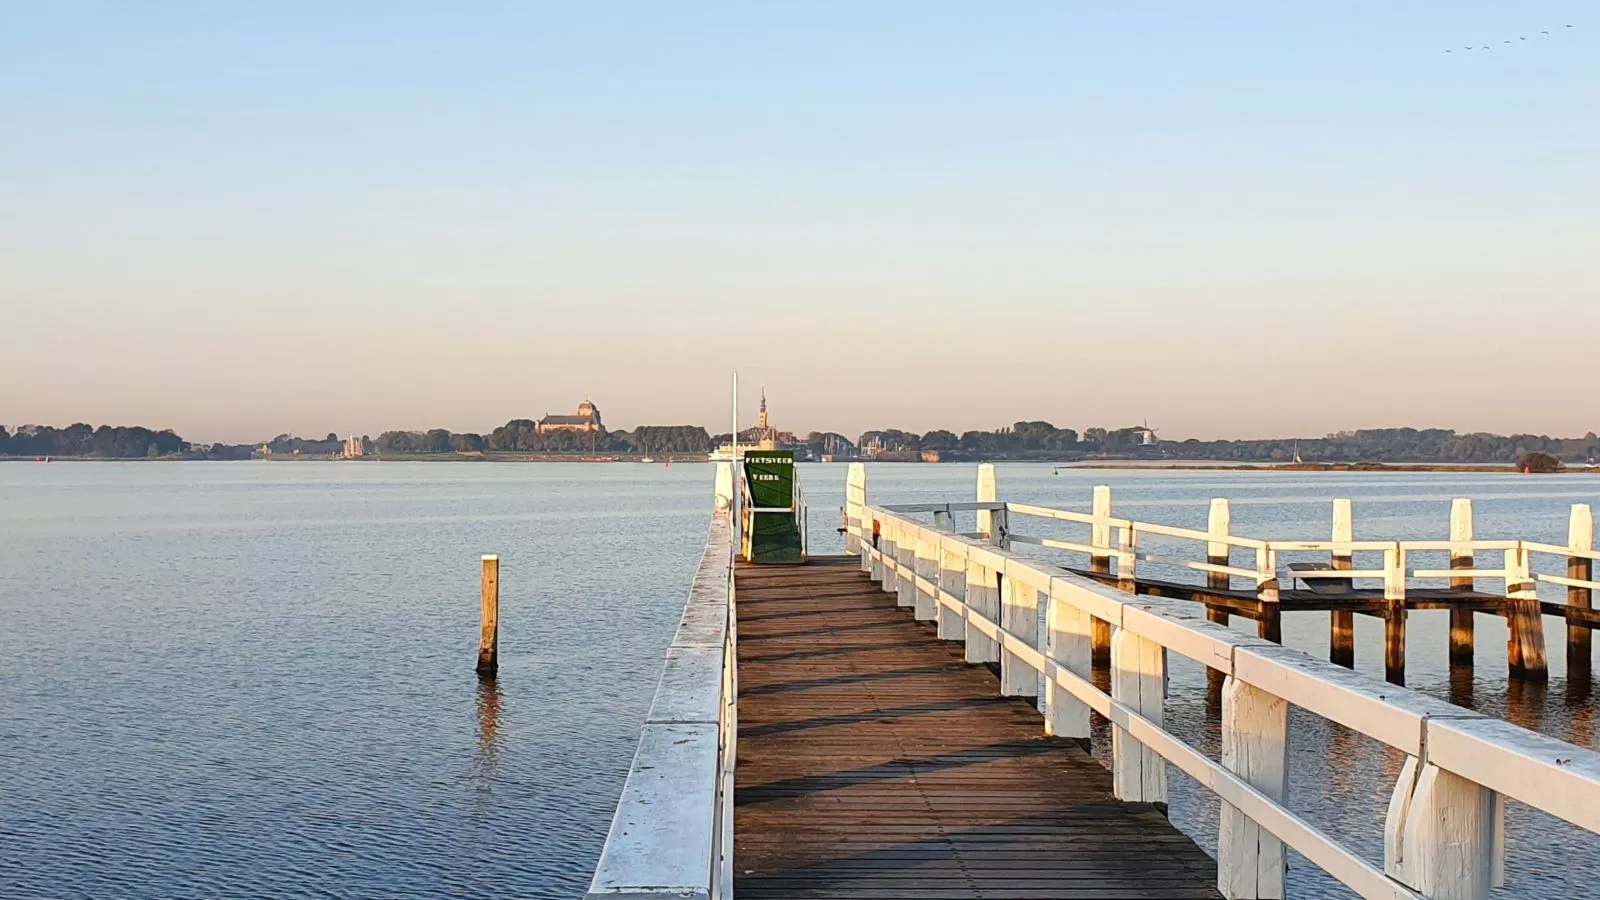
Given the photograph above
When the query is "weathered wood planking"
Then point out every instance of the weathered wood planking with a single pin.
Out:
(874, 762)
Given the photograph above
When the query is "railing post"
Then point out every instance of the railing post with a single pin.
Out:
(1019, 615)
(1394, 614)
(722, 496)
(1067, 636)
(1219, 524)
(1128, 560)
(1100, 563)
(927, 567)
(489, 633)
(1580, 536)
(988, 492)
(855, 501)
(1270, 624)
(1461, 619)
(1442, 836)
(983, 598)
(872, 563)
(1524, 621)
(1138, 681)
(1342, 622)
(953, 581)
(905, 558)
(887, 542)
(941, 520)
(1255, 746)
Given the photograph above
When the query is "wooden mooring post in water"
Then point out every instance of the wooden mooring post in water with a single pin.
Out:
(1219, 523)
(1100, 564)
(1461, 630)
(1580, 537)
(489, 635)
(1342, 622)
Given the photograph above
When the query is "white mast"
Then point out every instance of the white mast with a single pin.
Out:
(738, 480)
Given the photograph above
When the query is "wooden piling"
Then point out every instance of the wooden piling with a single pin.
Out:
(1461, 619)
(1342, 622)
(1269, 624)
(1100, 563)
(489, 636)
(1394, 615)
(1218, 524)
(1524, 622)
(1580, 536)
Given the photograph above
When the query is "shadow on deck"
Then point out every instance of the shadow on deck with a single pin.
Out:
(874, 762)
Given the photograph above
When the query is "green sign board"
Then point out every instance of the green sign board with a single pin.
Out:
(771, 477)
(774, 536)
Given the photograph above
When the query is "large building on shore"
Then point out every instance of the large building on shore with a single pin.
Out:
(586, 419)
(765, 436)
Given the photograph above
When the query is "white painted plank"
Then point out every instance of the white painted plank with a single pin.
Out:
(690, 689)
(1389, 713)
(1255, 746)
(661, 841)
(1068, 635)
(1138, 681)
(1557, 777)
(1019, 616)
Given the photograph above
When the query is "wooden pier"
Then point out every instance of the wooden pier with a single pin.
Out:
(909, 721)
(875, 762)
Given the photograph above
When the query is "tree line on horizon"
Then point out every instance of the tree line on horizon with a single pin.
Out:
(1021, 440)
(1041, 440)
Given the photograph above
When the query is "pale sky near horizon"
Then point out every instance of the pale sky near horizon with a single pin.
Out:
(1228, 219)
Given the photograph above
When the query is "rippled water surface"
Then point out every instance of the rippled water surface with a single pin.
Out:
(231, 680)
(256, 679)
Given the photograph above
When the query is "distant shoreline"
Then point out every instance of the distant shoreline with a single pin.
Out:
(1113, 464)
(1496, 468)
(493, 456)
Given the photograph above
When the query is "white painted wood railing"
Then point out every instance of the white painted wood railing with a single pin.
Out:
(1443, 832)
(672, 835)
(1124, 549)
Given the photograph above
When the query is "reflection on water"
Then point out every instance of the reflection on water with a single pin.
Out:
(122, 779)
(1461, 681)
(486, 764)
(125, 777)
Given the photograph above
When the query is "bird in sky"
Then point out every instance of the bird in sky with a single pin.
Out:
(1506, 42)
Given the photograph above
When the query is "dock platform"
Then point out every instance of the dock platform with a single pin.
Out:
(874, 762)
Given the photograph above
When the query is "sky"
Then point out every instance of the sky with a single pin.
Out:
(1223, 219)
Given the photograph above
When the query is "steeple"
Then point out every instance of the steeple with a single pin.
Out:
(761, 420)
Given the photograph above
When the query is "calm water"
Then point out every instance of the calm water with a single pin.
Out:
(231, 680)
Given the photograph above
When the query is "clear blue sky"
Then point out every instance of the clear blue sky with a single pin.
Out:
(1226, 218)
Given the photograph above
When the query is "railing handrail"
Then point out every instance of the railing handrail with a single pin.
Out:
(1481, 753)
(672, 833)
(1130, 527)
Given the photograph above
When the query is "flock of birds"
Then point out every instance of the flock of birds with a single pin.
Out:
(1507, 41)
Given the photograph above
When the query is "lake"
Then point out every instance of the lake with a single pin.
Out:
(248, 679)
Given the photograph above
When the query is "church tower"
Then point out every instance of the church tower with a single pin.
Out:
(761, 419)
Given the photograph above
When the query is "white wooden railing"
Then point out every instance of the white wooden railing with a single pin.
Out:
(1443, 834)
(672, 835)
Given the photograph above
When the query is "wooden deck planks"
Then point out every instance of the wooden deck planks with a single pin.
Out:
(873, 762)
